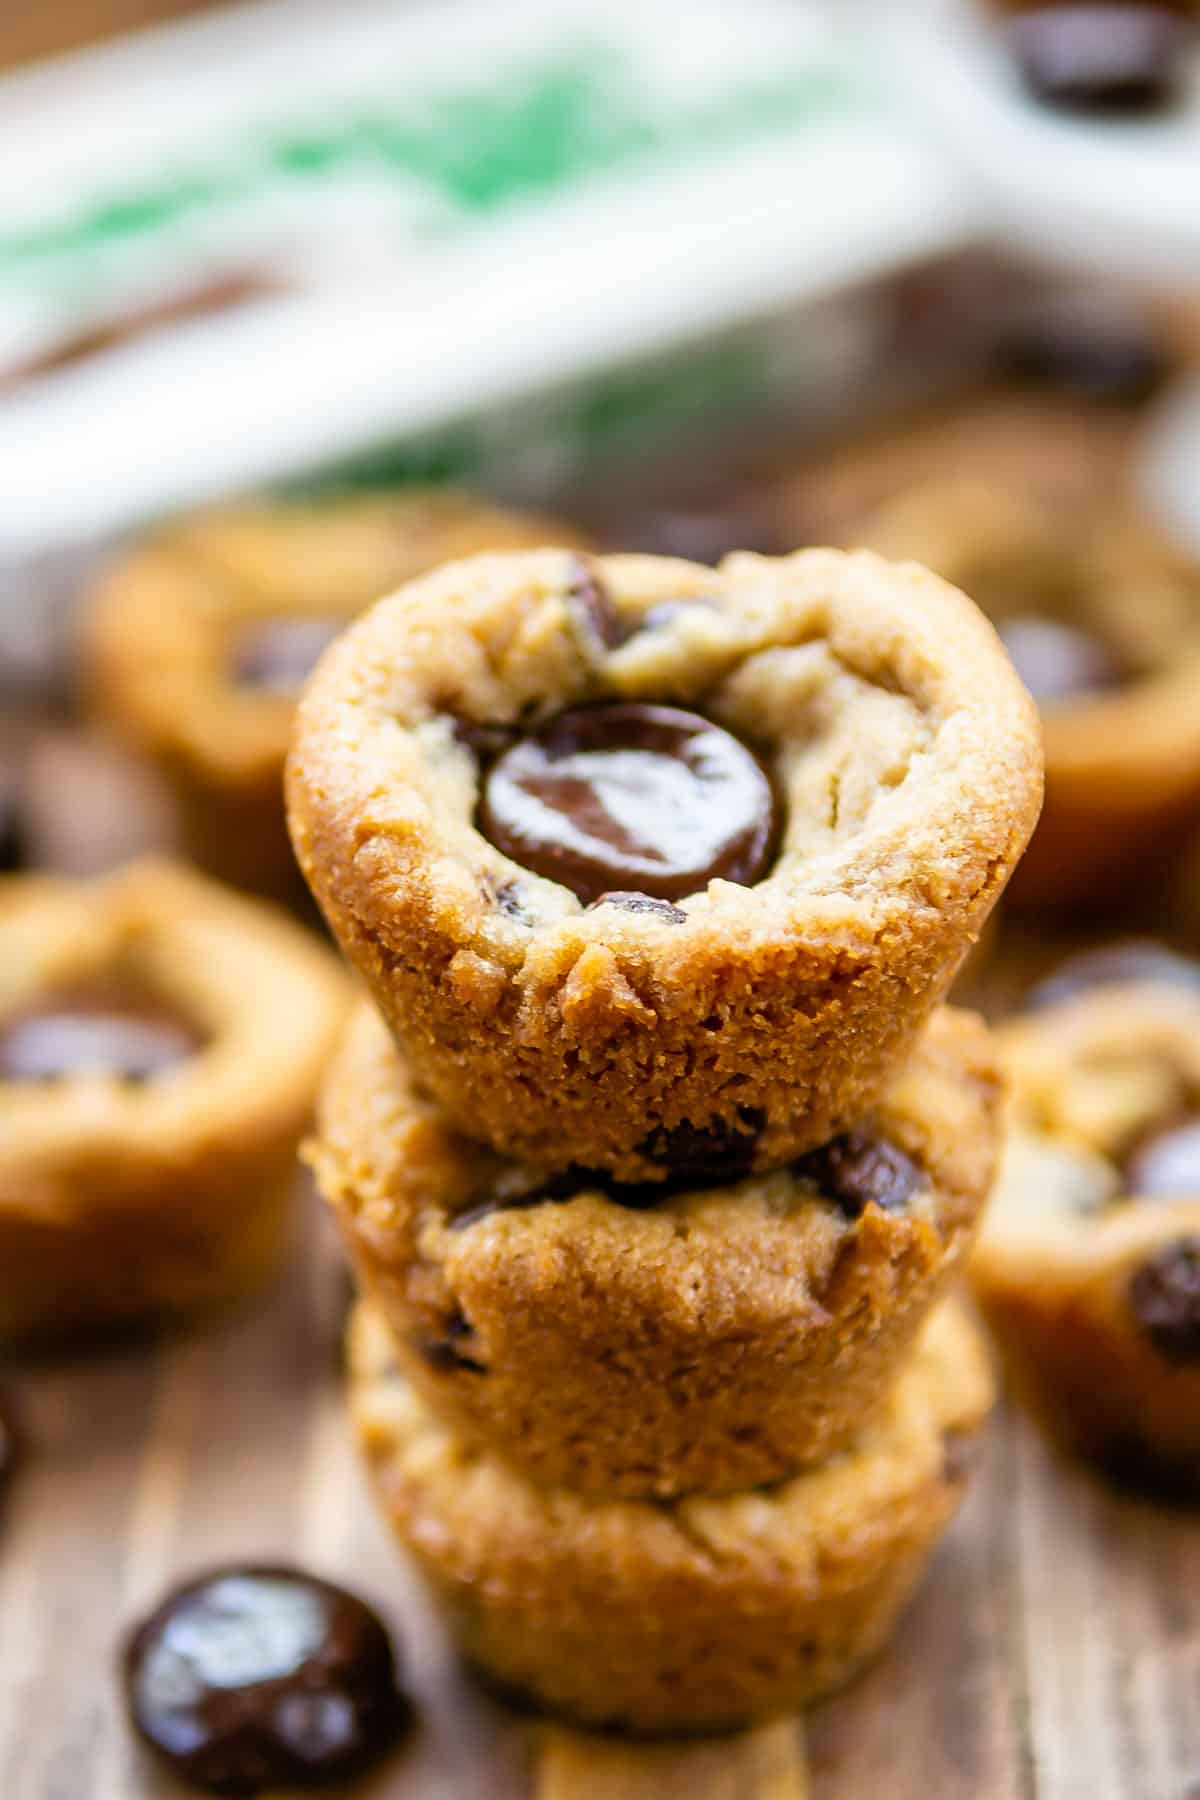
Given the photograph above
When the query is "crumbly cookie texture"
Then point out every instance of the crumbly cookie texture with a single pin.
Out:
(712, 1342)
(1092, 1287)
(908, 760)
(688, 1617)
(1122, 761)
(121, 1200)
(160, 635)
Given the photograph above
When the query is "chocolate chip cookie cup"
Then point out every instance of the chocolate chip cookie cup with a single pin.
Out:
(197, 641)
(160, 1046)
(1102, 620)
(1088, 1266)
(654, 868)
(695, 1616)
(633, 1341)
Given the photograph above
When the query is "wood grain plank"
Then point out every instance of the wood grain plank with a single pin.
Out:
(940, 1714)
(768, 1764)
(1053, 1654)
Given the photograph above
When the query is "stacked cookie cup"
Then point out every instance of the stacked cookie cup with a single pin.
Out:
(656, 1153)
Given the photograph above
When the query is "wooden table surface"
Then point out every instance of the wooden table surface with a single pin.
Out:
(1054, 1652)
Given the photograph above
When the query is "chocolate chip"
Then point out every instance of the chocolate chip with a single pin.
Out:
(1164, 1163)
(594, 606)
(448, 1353)
(509, 898)
(263, 1677)
(858, 1170)
(485, 742)
(632, 797)
(1164, 1296)
(643, 903)
(1100, 58)
(1056, 661)
(710, 1168)
(708, 1154)
(279, 655)
(960, 1452)
(1113, 965)
(100, 1031)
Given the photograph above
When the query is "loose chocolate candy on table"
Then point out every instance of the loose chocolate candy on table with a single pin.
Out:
(1109, 57)
(1057, 661)
(258, 1678)
(857, 1170)
(1114, 965)
(1164, 1295)
(97, 1031)
(634, 798)
(279, 655)
(1165, 1162)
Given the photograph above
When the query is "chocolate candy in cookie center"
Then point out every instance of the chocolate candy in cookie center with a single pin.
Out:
(635, 798)
(277, 656)
(99, 1030)
(1165, 1162)
(263, 1677)
(1057, 661)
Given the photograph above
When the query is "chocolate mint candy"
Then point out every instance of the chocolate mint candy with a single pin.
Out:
(633, 798)
(263, 1677)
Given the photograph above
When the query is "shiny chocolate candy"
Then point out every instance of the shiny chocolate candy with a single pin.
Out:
(260, 1678)
(632, 798)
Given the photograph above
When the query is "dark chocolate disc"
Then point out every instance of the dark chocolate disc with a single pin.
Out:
(1164, 1295)
(1165, 1162)
(1058, 661)
(263, 1677)
(1100, 58)
(86, 1031)
(858, 1170)
(632, 798)
(279, 655)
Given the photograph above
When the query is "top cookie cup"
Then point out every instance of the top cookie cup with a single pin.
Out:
(724, 1027)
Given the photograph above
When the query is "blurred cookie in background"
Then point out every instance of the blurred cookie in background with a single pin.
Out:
(160, 1044)
(1100, 614)
(1088, 1266)
(196, 642)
